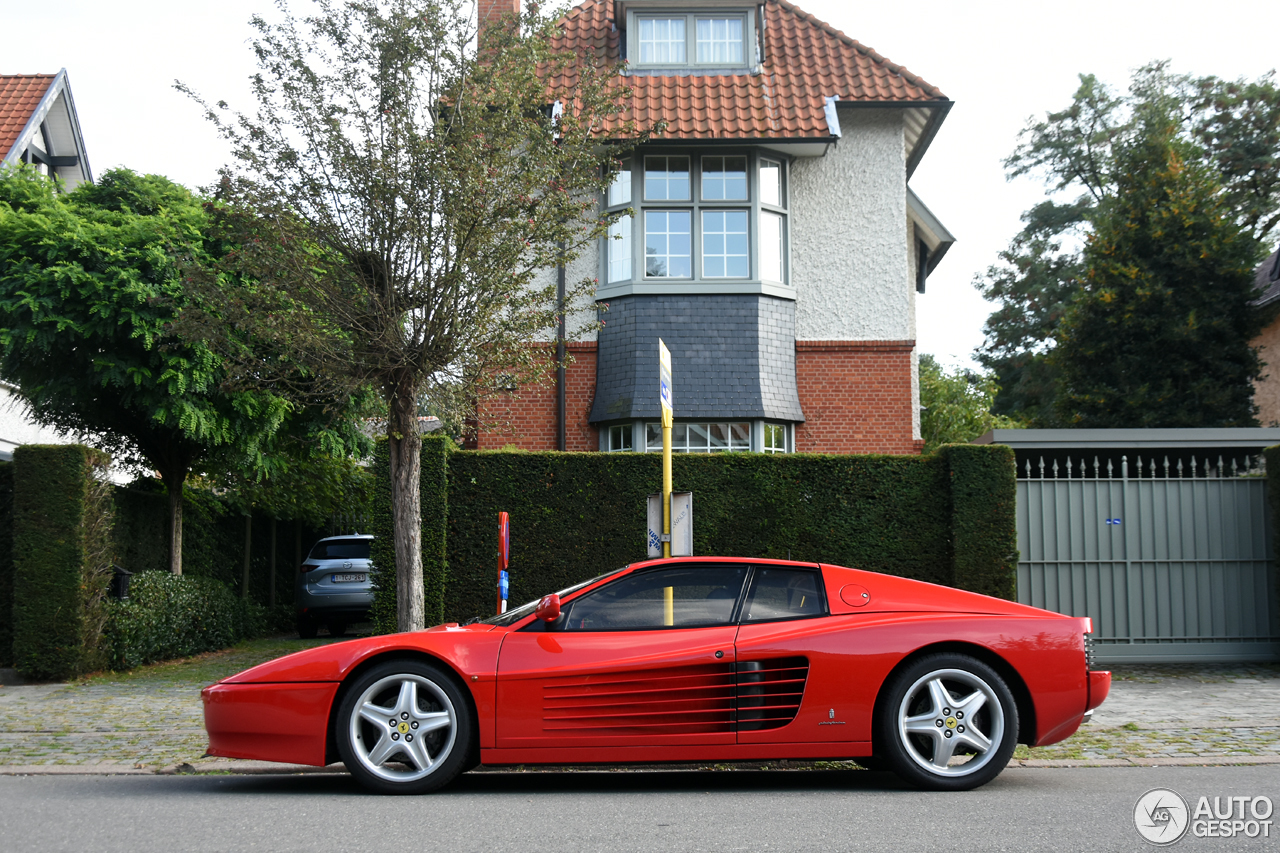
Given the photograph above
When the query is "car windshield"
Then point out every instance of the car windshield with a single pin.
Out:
(341, 549)
(513, 616)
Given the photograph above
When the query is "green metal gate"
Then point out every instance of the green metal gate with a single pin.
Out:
(1172, 562)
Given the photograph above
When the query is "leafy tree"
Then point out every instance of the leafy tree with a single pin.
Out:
(1229, 128)
(1159, 336)
(396, 193)
(956, 407)
(88, 286)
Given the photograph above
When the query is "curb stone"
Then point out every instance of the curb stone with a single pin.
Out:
(259, 768)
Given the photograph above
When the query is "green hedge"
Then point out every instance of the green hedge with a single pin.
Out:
(946, 518)
(61, 559)
(169, 616)
(382, 552)
(6, 564)
(984, 518)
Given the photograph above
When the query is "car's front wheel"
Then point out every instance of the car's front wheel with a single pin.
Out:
(403, 727)
(948, 722)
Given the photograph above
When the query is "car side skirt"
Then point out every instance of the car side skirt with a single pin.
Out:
(269, 722)
(680, 753)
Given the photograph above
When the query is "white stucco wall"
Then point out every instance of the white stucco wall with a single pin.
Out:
(848, 235)
(16, 428)
(583, 312)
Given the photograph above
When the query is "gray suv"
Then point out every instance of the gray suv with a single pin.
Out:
(334, 587)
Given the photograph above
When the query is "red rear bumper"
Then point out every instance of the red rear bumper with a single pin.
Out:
(269, 722)
(1099, 687)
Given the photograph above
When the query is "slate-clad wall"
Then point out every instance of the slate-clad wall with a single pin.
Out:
(733, 356)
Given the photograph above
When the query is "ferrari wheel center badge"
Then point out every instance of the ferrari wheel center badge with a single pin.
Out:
(951, 722)
(404, 728)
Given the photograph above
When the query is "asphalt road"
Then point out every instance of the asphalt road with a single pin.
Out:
(1023, 810)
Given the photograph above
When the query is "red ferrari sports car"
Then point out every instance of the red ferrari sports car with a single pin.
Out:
(695, 659)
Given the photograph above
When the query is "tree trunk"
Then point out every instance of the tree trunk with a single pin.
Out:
(173, 485)
(248, 544)
(405, 445)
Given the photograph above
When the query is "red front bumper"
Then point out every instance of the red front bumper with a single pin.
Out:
(269, 722)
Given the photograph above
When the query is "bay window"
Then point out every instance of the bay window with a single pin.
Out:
(714, 218)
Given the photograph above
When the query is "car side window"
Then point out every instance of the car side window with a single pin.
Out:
(678, 597)
(783, 593)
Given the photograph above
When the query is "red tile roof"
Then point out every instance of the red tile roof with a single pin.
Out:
(805, 61)
(20, 94)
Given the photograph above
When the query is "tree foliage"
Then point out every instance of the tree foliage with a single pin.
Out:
(1228, 129)
(956, 407)
(89, 283)
(1159, 335)
(396, 194)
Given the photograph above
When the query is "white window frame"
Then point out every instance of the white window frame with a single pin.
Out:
(691, 19)
(767, 267)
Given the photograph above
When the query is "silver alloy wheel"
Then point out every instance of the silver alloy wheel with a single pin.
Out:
(402, 727)
(951, 722)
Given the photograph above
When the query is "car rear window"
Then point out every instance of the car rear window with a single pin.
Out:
(341, 549)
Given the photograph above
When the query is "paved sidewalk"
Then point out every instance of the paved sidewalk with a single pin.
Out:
(151, 720)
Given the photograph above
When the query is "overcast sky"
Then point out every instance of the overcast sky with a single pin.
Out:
(1001, 62)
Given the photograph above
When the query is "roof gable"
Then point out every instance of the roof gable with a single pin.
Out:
(804, 62)
(20, 96)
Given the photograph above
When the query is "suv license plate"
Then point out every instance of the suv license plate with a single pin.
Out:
(351, 578)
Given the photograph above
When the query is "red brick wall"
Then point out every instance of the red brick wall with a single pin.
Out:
(526, 417)
(856, 397)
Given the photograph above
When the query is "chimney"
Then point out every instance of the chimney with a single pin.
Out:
(490, 12)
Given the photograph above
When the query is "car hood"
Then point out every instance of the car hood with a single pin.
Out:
(463, 646)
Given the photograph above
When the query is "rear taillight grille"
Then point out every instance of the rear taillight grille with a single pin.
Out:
(1089, 659)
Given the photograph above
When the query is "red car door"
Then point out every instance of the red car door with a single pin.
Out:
(795, 680)
(646, 659)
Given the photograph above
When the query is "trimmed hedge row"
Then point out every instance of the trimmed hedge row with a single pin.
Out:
(61, 559)
(948, 518)
(6, 563)
(170, 616)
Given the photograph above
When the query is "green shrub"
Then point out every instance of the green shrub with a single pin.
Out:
(61, 559)
(6, 564)
(171, 616)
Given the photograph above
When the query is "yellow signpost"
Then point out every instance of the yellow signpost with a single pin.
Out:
(664, 396)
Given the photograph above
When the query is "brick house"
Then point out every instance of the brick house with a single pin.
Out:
(1266, 391)
(774, 246)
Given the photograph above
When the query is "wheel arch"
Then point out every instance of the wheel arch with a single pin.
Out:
(331, 732)
(1012, 678)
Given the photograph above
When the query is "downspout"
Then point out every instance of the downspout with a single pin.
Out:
(560, 415)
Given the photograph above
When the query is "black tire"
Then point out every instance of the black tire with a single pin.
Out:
(307, 629)
(337, 629)
(941, 708)
(395, 757)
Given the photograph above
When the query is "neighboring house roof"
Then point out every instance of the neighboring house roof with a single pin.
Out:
(806, 62)
(1267, 280)
(38, 117)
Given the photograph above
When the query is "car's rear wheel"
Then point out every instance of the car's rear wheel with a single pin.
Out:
(337, 629)
(307, 629)
(403, 727)
(948, 722)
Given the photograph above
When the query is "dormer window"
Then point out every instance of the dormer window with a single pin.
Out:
(696, 39)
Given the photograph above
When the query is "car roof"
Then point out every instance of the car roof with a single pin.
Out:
(346, 536)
